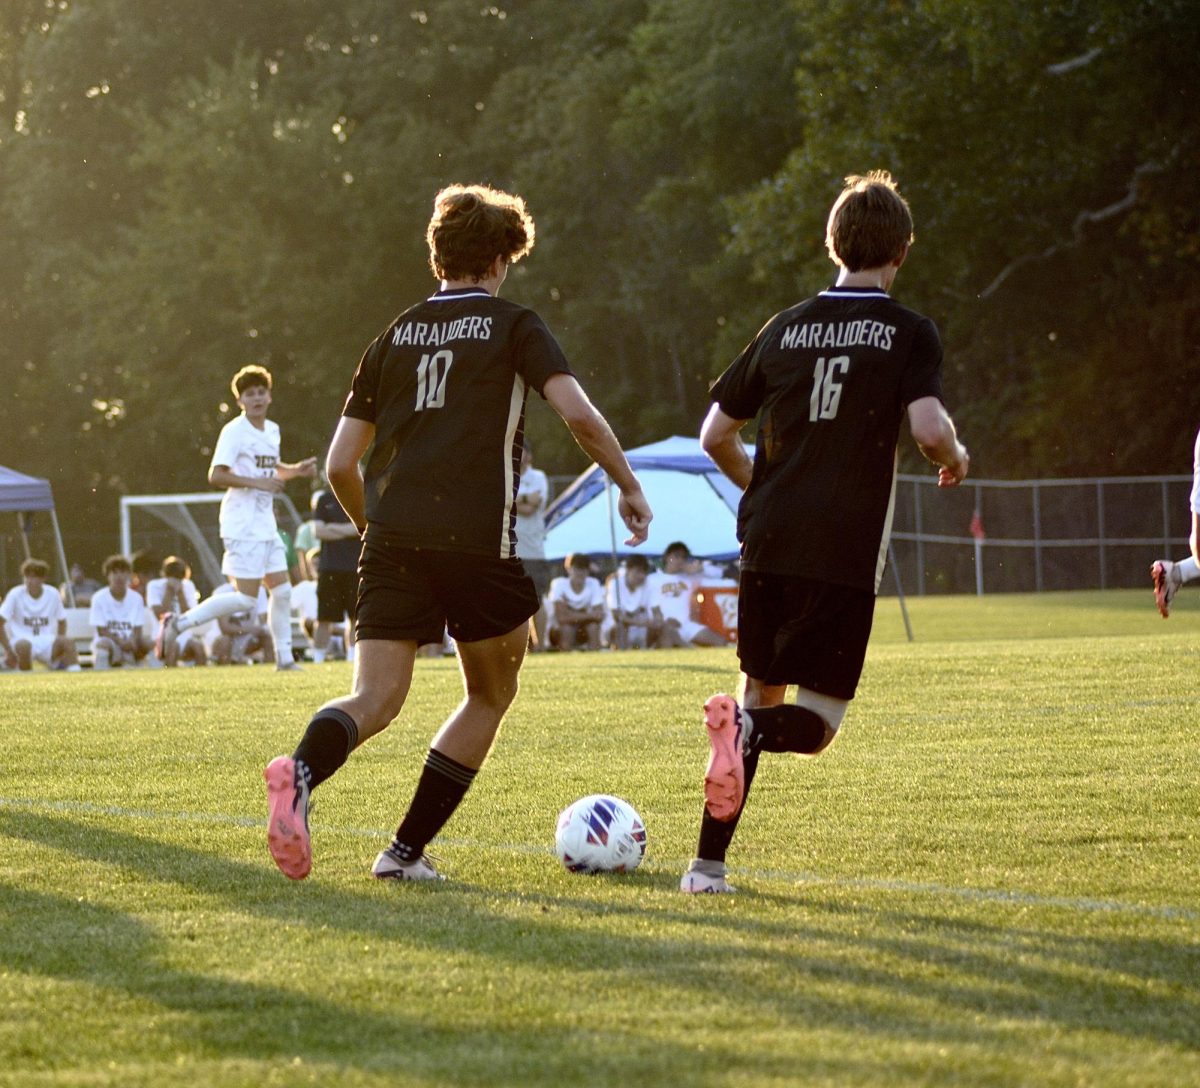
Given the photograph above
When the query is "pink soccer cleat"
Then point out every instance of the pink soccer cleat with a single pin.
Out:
(287, 817)
(725, 778)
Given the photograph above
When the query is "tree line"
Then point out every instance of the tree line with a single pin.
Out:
(187, 188)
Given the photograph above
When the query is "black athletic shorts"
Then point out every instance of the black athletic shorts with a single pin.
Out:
(412, 593)
(337, 595)
(800, 631)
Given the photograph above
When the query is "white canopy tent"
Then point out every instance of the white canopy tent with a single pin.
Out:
(26, 495)
(692, 501)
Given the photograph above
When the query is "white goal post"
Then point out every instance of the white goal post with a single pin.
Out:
(173, 509)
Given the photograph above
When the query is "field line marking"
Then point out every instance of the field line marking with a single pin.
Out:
(1081, 904)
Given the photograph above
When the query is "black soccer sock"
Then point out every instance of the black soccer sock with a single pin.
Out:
(327, 743)
(442, 786)
(786, 728)
(716, 835)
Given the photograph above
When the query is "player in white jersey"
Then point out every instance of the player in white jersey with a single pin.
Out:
(33, 624)
(1168, 576)
(246, 463)
(118, 617)
(175, 592)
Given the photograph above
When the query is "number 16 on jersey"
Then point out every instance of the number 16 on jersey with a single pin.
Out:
(827, 387)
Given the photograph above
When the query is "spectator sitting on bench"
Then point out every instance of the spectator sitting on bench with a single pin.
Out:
(33, 624)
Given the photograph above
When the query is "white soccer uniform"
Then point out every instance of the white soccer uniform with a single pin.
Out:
(155, 595)
(33, 620)
(672, 595)
(121, 618)
(248, 530)
(620, 598)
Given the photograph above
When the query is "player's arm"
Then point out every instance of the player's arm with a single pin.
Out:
(933, 431)
(720, 438)
(595, 437)
(344, 469)
(329, 530)
(224, 476)
(292, 470)
(529, 503)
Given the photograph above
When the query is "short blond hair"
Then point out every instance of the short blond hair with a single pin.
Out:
(870, 224)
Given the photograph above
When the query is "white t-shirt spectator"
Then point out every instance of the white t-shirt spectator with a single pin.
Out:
(531, 528)
(591, 595)
(630, 599)
(156, 591)
(672, 594)
(121, 617)
(27, 616)
(246, 512)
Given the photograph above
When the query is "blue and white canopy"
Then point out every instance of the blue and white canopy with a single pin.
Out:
(692, 501)
(23, 493)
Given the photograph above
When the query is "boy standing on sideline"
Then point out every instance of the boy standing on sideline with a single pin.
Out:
(533, 492)
(439, 398)
(33, 624)
(828, 381)
(337, 574)
(246, 463)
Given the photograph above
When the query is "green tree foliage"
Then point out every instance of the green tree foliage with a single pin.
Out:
(184, 189)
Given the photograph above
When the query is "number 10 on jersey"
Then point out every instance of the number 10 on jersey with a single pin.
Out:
(827, 388)
(431, 379)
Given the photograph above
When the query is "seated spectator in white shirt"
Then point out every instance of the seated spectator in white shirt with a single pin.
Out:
(672, 591)
(33, 624)
(630, 620)
(576, 603)
(118, 617)
(175, 592)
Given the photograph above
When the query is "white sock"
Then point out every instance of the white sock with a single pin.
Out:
(1188, 569)
(280, 614)
(223, 604)
(100, 659)
(318, 655)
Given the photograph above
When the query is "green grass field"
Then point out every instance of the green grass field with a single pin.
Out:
(992, 878)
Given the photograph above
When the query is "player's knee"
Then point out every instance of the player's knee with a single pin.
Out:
(831, 712)
(245, 602)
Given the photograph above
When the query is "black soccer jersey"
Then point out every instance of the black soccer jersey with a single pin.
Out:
(829, 381)
(445, 386)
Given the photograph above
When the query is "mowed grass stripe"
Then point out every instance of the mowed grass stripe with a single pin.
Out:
(993, 895)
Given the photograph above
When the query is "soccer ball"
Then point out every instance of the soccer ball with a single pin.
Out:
(600, 834)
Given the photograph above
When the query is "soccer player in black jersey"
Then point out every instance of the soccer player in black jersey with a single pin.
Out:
(439, 399)
(828, 381)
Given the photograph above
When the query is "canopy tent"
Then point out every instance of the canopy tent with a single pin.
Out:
(691, 499)
(25, 495)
